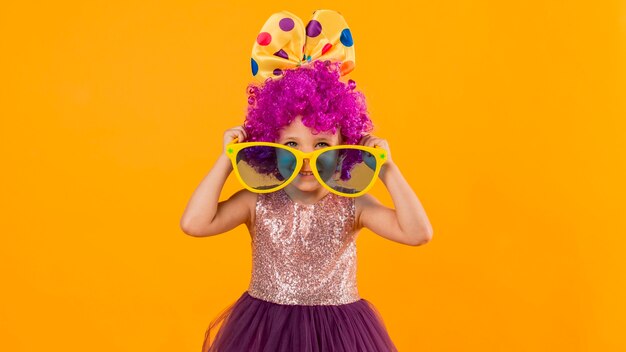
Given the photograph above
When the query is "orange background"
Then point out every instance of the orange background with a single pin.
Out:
(507, 118)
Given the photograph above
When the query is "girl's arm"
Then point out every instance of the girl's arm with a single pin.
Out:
(408, 222)
(204, 216)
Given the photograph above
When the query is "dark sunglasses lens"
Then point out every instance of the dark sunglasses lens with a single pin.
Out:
(347, 170)
(265, 167)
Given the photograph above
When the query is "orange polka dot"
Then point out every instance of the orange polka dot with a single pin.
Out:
(347, 67)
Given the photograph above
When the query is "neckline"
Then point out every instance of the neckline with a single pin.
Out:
(305, 204)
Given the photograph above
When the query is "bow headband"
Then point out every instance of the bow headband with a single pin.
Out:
(284, 43)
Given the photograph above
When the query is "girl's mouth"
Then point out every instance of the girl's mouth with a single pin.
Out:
(306, 173)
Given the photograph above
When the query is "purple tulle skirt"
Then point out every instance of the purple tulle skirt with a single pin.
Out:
(254, 325)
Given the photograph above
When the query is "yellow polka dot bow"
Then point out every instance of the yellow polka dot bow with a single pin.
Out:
(285, 43)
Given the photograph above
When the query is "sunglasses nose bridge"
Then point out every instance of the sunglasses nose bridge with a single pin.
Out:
(306, 157)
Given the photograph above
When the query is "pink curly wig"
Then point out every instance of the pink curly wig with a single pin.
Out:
(314, 92)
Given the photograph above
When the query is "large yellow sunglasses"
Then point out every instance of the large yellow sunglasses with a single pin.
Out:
(347, 170)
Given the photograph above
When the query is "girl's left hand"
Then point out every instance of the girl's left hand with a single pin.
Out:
(369, 140)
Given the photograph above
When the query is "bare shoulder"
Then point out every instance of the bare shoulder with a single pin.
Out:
(247, 200)
(363, 205)
(238, 209)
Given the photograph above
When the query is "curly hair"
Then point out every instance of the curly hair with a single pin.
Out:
(315, 93)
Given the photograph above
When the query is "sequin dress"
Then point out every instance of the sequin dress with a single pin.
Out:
(303, 293)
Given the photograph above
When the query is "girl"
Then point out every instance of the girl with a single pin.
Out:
(303, 294)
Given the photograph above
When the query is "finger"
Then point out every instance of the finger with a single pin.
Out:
(233, 135)
(367, 141)
(241, 132)
(375, 142)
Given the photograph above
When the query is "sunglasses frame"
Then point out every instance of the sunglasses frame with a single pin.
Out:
(233, 148)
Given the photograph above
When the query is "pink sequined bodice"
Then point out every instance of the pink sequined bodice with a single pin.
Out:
(304, 253)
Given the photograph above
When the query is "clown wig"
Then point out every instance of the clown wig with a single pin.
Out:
(316, 94)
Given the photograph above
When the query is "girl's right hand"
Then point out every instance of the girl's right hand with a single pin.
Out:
(232, 133)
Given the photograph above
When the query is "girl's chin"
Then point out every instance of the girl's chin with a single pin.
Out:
(306, 184)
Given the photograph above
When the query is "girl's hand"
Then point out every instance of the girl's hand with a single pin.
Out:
(369, 140)
(231, 134)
